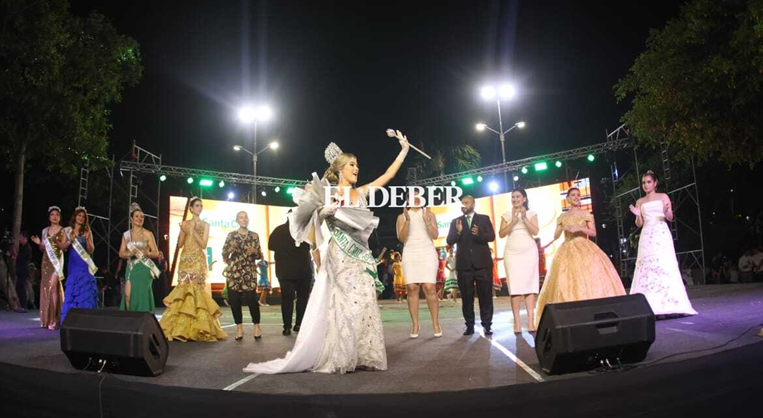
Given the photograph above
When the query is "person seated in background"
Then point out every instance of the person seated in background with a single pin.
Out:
(757, 264)
(745, 267)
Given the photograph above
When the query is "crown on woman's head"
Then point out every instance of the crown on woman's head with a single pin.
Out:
(135, 206)
(54, 207)
(80, 208)
(332, 151)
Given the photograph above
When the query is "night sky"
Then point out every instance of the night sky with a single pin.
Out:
(345, 72)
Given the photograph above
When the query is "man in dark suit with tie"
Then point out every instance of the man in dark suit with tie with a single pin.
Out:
(474, 264)
(294, 273)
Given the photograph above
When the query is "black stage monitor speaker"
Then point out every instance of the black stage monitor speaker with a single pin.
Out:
(114, 341)
(577, 336)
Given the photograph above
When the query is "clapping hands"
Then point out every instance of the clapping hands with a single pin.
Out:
(428, 216)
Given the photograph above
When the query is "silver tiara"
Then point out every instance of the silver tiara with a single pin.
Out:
(80, 208)
(54, 208)
(332, 151)
(135, 206)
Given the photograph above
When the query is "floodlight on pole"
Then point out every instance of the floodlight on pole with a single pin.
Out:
(263, 113)
(488, 92)
(520, 125)
(507, 91)
(247, 114)
(273, 145)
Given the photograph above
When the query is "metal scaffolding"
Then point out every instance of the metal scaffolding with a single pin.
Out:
(687, 225)
(138, 194)
(100, 224)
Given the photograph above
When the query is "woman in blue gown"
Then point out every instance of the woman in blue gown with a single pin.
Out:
(80, 289)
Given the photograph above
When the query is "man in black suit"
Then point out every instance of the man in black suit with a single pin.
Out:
(294, 273)
(474, 264)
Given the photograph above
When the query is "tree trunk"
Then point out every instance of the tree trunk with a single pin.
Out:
(18, 200)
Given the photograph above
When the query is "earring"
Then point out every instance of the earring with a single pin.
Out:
(341, 177)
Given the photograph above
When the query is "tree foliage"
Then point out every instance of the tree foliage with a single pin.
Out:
(699, 84)
(60, 73)
(446, 159)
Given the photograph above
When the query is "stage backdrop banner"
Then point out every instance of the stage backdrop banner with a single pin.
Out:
(547, 201)
(221, 216)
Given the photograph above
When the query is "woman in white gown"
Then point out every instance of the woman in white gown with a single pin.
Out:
(342, 329)
(416, 228)
(520, 256)
(657, 275)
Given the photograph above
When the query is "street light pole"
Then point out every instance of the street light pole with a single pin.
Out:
(254, 164)
(249, 115)
(503, 144)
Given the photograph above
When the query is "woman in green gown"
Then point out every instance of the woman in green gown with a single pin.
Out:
(138, 248)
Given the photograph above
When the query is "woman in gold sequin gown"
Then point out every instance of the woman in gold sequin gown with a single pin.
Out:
(51, 290)
(192, 314)
(580, 269)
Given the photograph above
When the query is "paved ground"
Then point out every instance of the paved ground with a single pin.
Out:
(730, 316)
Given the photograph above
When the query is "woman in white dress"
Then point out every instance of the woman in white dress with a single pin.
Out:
(520, 256)
(657, 275)
(342, 329)
(416, 229)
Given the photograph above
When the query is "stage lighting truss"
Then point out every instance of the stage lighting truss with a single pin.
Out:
(191, 174)
(517, 165)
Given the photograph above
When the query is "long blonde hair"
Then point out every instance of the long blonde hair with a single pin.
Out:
(332, 173)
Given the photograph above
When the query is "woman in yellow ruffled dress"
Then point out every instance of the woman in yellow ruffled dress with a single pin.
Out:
(580, 269)
(192, 314)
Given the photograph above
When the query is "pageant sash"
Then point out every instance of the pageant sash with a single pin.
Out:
(57, 261)
(84, 255)
(352, 248)
(141, 258)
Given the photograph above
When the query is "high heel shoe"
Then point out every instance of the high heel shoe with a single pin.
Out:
(239, 332)
(416, 335)
(257, 335)
(438, 334)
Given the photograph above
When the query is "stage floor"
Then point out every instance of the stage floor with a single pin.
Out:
(730, 316)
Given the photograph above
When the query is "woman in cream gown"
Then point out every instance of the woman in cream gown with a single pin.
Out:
(580, 269)
(342, 329)
(657, 275)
